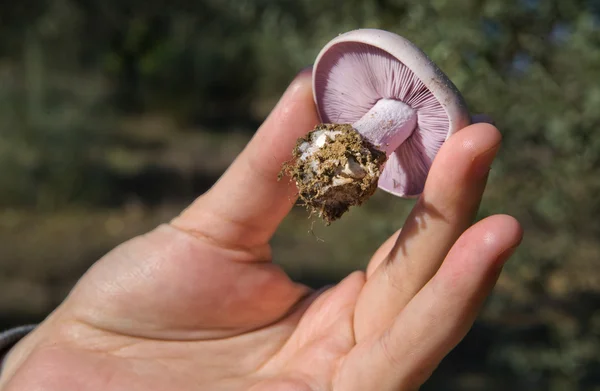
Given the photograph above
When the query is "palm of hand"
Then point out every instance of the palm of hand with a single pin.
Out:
(266, 334)
(197, 304)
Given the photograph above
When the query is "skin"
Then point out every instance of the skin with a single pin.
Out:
(197, 304)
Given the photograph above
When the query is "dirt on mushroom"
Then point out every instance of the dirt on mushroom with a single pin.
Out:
(334, 168)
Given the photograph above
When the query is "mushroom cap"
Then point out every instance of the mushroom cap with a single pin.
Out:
(357, 69)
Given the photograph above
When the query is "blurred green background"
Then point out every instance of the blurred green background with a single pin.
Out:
(114, 114)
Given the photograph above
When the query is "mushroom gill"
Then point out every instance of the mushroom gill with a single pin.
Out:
(352, 78)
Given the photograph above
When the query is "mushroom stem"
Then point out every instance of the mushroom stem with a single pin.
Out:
(388, 124)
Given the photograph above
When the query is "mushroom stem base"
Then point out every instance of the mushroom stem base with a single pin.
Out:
(334, 168)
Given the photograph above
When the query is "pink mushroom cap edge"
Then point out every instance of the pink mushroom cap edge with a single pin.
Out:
(438, 84)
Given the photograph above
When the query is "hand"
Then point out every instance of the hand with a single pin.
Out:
(197, 304)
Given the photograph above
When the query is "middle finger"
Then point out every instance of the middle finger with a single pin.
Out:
(444, 211)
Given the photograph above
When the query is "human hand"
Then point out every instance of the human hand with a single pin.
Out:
(197, 304)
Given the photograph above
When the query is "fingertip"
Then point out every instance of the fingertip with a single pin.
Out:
(293, 116)
(302, 81)
(483, 247)
(460, 170)
(482, 125)
(295, 110)
(306, 72)
(486, 245)
(479, 137)
(501, 230)
(470, 142)
(488, 129)
(502, 236)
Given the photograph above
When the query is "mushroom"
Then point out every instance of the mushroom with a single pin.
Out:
(386, 109)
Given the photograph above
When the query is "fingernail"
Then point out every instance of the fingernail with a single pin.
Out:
(505, 255)
(293, 86)
(482, 118)
(307, 69)
(304, 72)
(482, 163)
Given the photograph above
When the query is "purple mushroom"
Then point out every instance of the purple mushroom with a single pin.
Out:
(386, 110)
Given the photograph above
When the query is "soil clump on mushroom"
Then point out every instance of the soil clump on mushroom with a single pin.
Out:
(334, 168)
